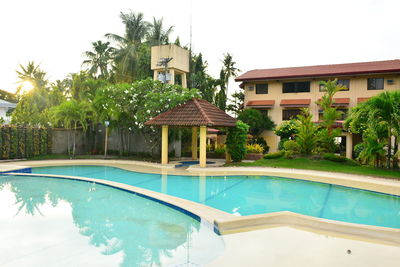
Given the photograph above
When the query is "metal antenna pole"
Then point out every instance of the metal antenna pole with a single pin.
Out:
(190, 46)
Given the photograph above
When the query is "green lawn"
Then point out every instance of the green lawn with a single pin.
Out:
(321, 165)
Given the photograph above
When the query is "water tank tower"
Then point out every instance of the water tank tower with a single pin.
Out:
(170, 64)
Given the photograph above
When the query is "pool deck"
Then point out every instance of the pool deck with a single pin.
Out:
(275, 239)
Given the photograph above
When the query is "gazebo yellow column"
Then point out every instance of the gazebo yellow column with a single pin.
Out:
(194, 142)
(203, 146)
(164, 145)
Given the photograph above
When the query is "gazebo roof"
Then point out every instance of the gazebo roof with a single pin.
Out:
(195, 112)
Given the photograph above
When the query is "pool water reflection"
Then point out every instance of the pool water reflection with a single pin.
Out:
(57, 222)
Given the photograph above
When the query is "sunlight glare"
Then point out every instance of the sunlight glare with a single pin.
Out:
(26, 86)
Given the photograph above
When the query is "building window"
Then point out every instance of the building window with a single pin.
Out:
(288, 114)
(264, 111)
(344, 83)
(262, 88)
(320, 114)
(375, 83)
(296, 87)
(322, 87)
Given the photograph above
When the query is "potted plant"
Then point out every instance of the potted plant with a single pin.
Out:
(254, 152)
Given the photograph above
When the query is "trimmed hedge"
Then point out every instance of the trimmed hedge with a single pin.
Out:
(274, 155)
(335, 158)
(24, 142)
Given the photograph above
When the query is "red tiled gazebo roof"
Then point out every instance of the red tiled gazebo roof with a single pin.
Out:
(195, 112)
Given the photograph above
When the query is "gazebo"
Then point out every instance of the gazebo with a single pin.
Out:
(195, 113)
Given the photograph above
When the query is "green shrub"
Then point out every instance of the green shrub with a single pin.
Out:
(358, 149)
(287, 129)
(257, 121)
(289, 154)
(292, 146)
(260, 141)
(236, 141)
(274, 155)
(220, 149)
(209, 148)
(254, 148)
(335, 158)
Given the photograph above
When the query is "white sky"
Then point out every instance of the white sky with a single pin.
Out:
(259, 33)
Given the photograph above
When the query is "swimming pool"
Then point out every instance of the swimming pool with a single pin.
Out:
(249, 195)
(59, 222)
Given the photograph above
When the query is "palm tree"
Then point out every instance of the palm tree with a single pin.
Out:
(373, 150)
(379, 112)
(99, 59)
(382, 113)
(127, 52)
(157, 35)
(71, 114)
(229, 69)
(33, 74)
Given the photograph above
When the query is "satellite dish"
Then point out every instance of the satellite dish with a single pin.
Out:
(164, 77)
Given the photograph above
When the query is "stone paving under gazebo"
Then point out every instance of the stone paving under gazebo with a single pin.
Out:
(195, 113)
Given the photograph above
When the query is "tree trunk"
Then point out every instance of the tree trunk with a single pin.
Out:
(73, 148)
(389, 152)
(129, 141)
(396, 148)
(69, 143)
(121, 136)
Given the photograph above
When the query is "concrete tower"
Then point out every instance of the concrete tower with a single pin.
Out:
(170, 63)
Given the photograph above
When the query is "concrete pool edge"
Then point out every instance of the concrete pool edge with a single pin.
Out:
(313, 224)
(225, 223)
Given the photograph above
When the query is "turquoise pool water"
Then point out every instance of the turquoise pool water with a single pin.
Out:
(58, 222)
(248, 195)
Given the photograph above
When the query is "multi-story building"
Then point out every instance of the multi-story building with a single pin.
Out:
(282, 92)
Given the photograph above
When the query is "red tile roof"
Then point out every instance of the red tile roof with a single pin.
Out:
(362, 99)
(296, 103)
(260, 103)
(195, 112)
(323, 70)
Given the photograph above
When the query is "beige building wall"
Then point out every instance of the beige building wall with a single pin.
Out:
(358, 89)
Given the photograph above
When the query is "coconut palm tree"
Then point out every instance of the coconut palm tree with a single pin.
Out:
(127, 52)
(157, 35)
(33, 74)
(229, 69)
(99, 60)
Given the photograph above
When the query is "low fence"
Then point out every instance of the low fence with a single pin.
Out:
(24, 142)
(27, 142)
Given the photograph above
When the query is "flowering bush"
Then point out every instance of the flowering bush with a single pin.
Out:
(254, 148)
